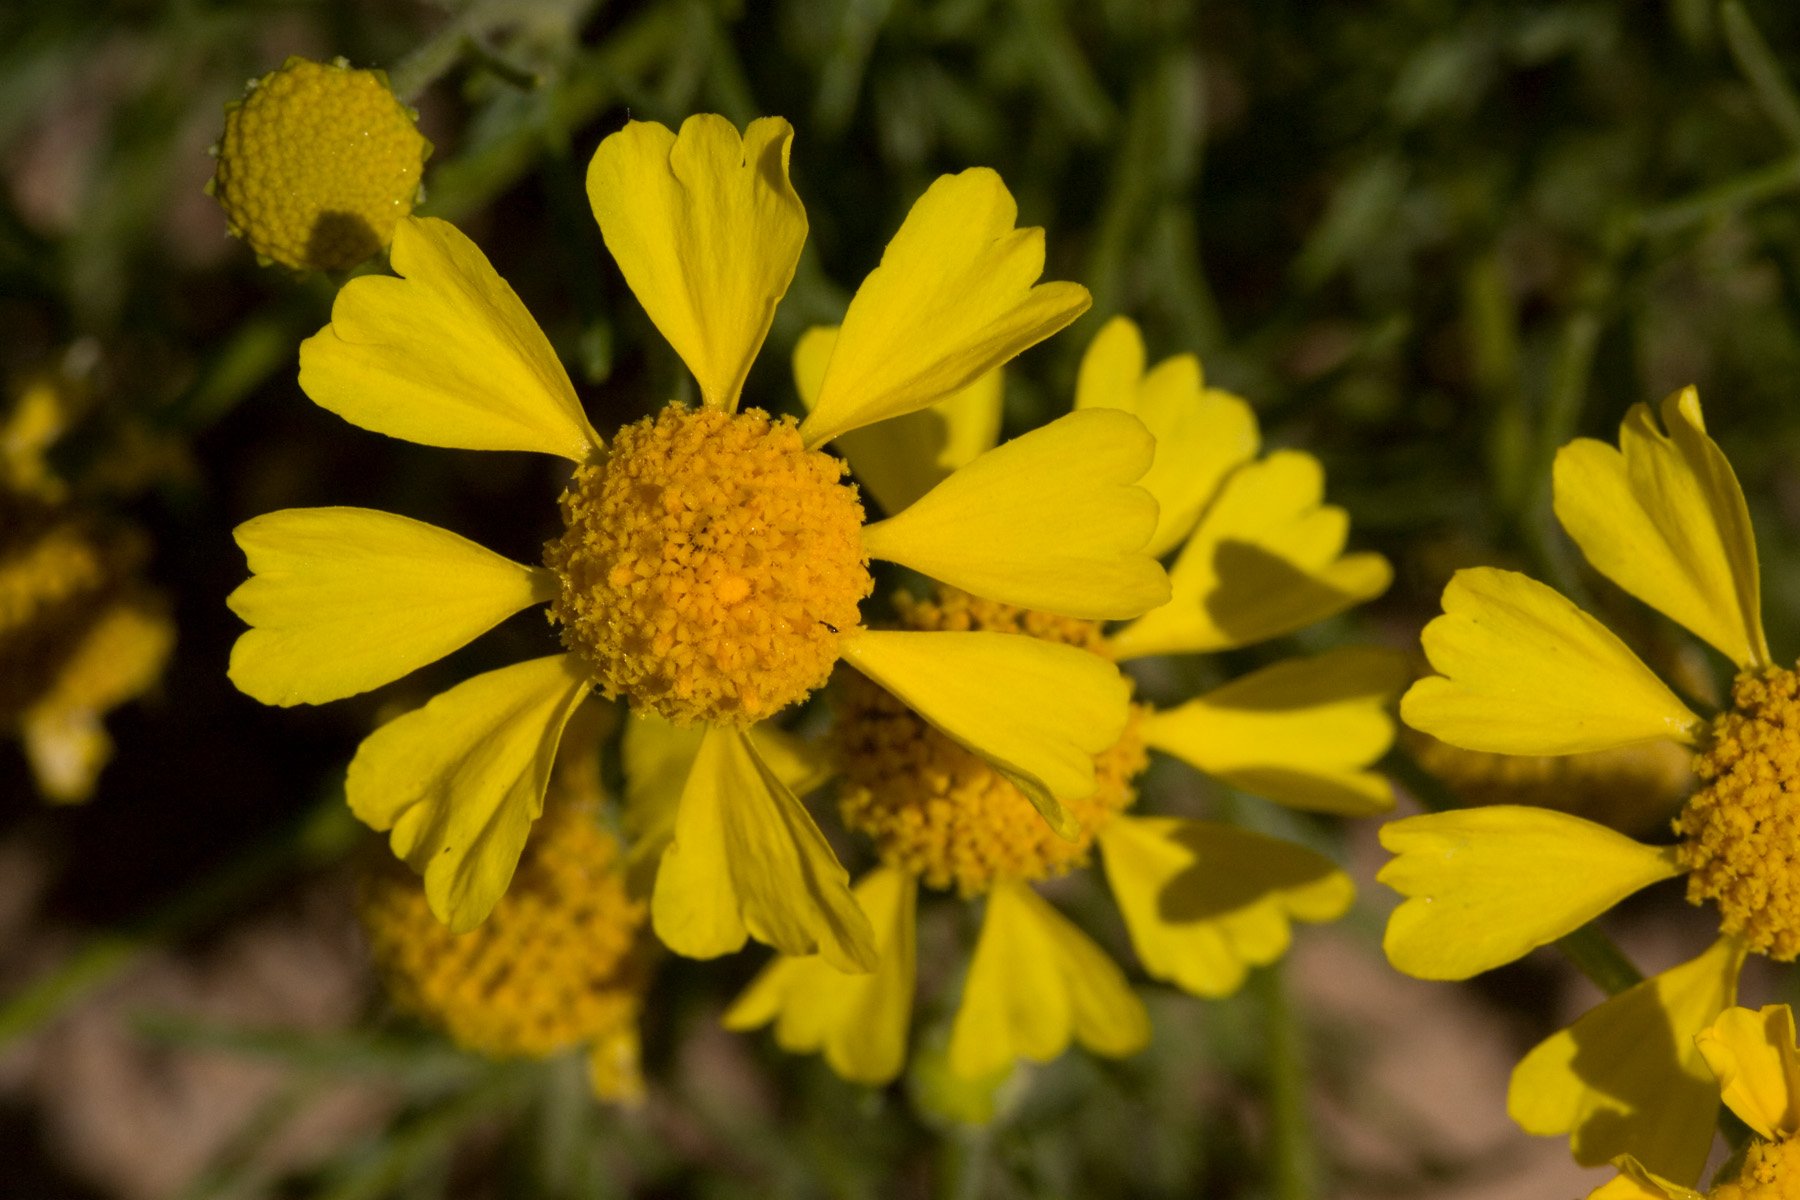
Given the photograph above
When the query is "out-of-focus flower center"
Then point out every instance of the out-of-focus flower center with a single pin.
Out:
(1742, 828)
(560, 963)
(709, 566)
(941, 812)
(1771, 1172)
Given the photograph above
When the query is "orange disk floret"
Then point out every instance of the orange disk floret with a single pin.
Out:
(318, 164)
(941, 812)
(560, 963)
(1741, 828)
(709, 565)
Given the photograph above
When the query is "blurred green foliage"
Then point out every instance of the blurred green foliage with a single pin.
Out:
(1429, 240)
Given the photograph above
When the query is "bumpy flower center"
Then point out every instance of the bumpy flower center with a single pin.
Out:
(1742, 828)
(939, 811)
(318, 164)
(1771, 1172)
(559, 963)
(709, 565)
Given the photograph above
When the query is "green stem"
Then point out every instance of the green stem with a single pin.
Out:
(1746, 189)
(1431, 792)
(1294, 1157)
(1600, 959)
(963, 1163)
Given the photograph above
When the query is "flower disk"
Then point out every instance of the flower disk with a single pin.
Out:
(709, 566)
(1771, 1171)
(1741, 827)
(560, 962)
(939, 811)
(317, 165)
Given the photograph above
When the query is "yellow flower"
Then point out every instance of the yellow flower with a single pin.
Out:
(712, 562)
(317, 165)
(1202, 901)
(1754, 1061)
(80, 631)
(1524, 671)
(562, 961)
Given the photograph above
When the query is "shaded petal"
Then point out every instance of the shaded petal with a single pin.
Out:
(1201, 433)
(1205, 902)
(446, 355)
(1752, 1054)
(746, 858)
(859, 1021)
(1664, 518)
(341, 600)
(1627, 1078)
(707, 231)
(1485, 886)
(461, 780)
(1267, 560)
(1038, 712)
(900, 459)
(952, 299)
(1299, 731)
(1050, 521)
(1521, 670)
(1635, 1183)
(1035, 981)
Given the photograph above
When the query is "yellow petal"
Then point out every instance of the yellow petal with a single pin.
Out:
(461, 780)
(1627, 1078)
(1267, 560)
(445, 355)
(951, 300)
(1664, 518)
(1036, 711)
(1205, 902)
(1635, 1183)
(707, 231)
(1051, 520)
(1201, 433)
(1752, 1054)
(1300, 731)
(1035, 981)
(747, 859)
(900, 459)
(1521, 670)
(1485, 886)
(341, 600)
(859, 1021)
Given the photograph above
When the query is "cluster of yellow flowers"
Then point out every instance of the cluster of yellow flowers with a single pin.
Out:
(712, 572)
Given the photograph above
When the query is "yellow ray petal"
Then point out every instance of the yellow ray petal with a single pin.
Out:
(1635, 1183)
(1050, 521)
(952, 299)
(1664, 518)
(859, 1021)
(1485, 886)
(1521, 670)
(445, 355)
(1752, 1054)
(747, 859)
(1036, 711)
(1627, 1078)
(341, 600)
(707, 231)
(461, 780)
(1300, 731)
(1205, 902)
(1035, 981)
(1201, 433)
(900, 459)
(1266, 560)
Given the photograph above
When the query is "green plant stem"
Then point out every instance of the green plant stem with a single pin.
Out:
(1294, 1160)
(1599, 958)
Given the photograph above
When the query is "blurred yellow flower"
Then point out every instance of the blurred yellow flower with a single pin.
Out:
(1202, 901)
(712, 563)
(1756, 1069)
(1524, 671)
(317, 165)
